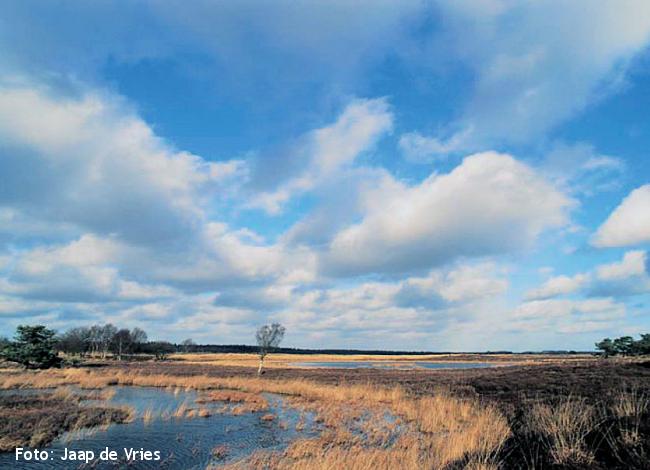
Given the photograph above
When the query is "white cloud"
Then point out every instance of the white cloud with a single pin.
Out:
(90, 162)
(384, 311)
(628, 224)
(632, 264)
(630, 276)
(560, 285)
(580, 169)
(460, 284)
(567, 316)
(316, 43)
(619, 279)
(491, 203)
(81, 271)
(537, 64)
(417, 148)
(330, 149)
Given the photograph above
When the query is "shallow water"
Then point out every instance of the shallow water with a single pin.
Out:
(183, 443)
(394, 365)
(454, 365)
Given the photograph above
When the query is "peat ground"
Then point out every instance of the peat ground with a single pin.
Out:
(36, 420)
(581, 390)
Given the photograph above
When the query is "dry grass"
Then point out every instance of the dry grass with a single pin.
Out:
(565, 427)
(430, 432)
(631, 404)
(181, 411)
(246, 402)
(36, 420)
(627, 439)
(291, 360)
(147, 416)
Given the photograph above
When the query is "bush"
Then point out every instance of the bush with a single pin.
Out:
(33, 347)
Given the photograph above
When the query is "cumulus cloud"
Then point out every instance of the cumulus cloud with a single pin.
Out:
(560, 285)
(101, 219)
(630, 276)
(116, 213)
(329, 149)
(604, 309)
(534, 64)
(383, 311)
(461, 284)
(567, 316)
(628, 224)
(89, 162)
(81, 271)
(491, 203)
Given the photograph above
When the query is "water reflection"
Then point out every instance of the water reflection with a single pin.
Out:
(183, 443)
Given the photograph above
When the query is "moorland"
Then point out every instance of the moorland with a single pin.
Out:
(528, 411)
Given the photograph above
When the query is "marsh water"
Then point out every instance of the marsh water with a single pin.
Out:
(394, 365)
(183, 443)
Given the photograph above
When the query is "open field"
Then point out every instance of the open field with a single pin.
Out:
(569, 412)
(294, 360)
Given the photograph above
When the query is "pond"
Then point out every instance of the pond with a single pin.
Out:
(394, 365)
(183, 443)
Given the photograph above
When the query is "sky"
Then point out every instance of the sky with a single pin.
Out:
(405, 175)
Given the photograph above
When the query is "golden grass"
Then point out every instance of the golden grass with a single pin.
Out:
(430, 432)
(565, 427)
(147, 416)
(181, 411)
(630, 407)
(631, 404)
(292, 360)
(246, 402)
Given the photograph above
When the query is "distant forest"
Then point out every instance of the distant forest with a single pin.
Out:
(101, 340)
(243, 348)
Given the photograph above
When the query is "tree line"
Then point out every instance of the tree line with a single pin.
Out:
(38, 347)
(100, 340)
(624, 346)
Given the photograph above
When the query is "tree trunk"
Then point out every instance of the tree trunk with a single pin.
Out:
(259, 369)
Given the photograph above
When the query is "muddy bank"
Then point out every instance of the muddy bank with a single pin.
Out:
(36, 420)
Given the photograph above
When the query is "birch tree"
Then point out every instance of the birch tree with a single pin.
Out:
(268, 337)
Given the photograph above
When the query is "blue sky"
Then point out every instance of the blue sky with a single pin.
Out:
(415, 175)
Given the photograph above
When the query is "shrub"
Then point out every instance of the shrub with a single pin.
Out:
(33, 347)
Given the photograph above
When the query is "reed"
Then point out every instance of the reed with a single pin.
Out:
(147, 416)
(434, 431)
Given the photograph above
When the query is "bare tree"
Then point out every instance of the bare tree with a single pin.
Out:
(105, 337)
(188, 344)
(121, 343)
(75, 341)
(94, 339)
(268, 337)
(138, 335)
(139, 338)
